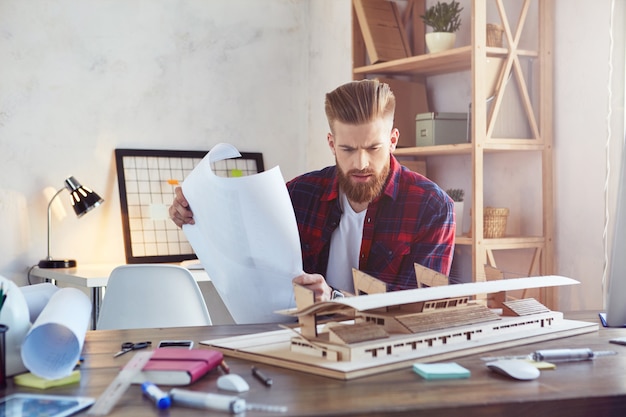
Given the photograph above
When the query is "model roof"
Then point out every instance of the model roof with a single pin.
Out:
(395, 298)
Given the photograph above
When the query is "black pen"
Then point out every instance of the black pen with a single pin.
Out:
(261, 376)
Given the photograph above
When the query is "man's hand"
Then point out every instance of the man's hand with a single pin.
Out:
(180, 213)
(316, 283)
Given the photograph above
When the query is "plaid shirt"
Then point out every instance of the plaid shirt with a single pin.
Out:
(412, 221)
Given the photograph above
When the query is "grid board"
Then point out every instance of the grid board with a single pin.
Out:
(146, 181)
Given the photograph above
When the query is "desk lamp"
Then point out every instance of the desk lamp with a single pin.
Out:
(83, 200)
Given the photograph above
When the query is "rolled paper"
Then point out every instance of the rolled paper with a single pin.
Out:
(53, 345)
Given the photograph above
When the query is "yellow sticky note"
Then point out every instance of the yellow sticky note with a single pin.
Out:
(236, 172)
(34, 381)
(543, 365)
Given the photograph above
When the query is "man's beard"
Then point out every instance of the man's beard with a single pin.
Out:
(362, 192)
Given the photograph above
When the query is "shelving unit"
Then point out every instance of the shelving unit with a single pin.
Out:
(538, 115)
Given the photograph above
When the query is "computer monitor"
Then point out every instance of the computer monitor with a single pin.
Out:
(616, 292)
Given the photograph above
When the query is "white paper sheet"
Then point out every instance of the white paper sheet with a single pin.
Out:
(37, 296)
(52, 347)
(245, 235)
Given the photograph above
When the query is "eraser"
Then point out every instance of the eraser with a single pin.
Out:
(618, 340)
(446, 370)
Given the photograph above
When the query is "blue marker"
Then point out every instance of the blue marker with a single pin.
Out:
(161, 399)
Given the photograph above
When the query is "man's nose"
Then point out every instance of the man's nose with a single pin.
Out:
(362, 160)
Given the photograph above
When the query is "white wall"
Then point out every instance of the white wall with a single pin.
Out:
(81, 78)
(582, 125)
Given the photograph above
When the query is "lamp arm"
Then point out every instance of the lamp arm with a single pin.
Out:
(49, 219)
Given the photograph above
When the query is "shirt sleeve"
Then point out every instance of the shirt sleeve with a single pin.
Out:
(434, 247)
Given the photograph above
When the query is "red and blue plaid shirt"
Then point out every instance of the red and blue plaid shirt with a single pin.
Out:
(412, 221)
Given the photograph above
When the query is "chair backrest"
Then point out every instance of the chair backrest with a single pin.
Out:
(150, 296)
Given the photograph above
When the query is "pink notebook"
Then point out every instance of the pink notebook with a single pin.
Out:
(175, 366)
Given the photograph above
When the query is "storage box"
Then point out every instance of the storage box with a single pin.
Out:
(411, 100)
(440, 128)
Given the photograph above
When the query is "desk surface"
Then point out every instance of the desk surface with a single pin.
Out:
(590, 388)
(93, 275)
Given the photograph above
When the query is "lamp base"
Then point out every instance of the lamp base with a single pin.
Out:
(57, 263)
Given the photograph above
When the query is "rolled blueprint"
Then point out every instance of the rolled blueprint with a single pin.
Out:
(52, 347)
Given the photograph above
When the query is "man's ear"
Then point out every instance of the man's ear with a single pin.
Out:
(395, 137)
(331, 142)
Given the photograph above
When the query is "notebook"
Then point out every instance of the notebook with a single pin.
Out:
(172, 366)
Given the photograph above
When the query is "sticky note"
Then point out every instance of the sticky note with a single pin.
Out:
(446, 370)
(159, 211)
(33, 381)
(543, 365)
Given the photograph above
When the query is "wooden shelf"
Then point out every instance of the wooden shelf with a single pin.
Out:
(493, 145)
(453, 60)
(509, 242)
(513, 145)
(456, 149)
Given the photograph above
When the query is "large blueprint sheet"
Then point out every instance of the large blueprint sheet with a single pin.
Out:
(246, 237)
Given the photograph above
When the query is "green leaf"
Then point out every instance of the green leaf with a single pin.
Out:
(443, 17)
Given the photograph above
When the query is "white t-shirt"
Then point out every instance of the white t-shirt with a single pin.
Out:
(345, 247)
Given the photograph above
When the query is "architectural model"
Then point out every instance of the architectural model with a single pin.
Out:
(376, 330)
(400, 321)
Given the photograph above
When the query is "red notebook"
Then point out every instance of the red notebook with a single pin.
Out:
(175, 366)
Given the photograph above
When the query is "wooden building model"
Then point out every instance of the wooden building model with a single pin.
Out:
(376, 323)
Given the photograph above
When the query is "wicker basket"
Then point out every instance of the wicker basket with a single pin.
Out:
(494, 221)
(494, 35)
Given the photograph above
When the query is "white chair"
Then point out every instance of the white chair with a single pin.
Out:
(150, 296)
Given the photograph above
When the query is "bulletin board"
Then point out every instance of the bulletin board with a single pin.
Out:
(146, 181)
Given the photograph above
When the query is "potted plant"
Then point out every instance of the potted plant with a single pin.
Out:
(445, 19)
(457, 195)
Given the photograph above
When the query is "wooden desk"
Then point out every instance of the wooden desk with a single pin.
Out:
(95, 277)
(591, 388)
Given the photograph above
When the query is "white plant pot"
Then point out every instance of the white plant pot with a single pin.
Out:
(440, 41)
(458, 214)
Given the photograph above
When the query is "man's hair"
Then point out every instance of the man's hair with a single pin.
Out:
(359, 102)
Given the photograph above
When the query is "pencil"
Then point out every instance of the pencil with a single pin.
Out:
(266, 380)
(224, 367)
(3, 296)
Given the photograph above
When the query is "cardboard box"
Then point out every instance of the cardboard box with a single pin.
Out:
(418, 166)
(411, 99)
(441, 128)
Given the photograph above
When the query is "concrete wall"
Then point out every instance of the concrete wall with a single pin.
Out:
(81, 78)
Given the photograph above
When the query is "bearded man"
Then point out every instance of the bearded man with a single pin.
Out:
(368, 212)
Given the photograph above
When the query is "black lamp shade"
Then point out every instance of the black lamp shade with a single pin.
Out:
(83, 199)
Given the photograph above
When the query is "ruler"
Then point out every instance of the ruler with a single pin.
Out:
(120, 384)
